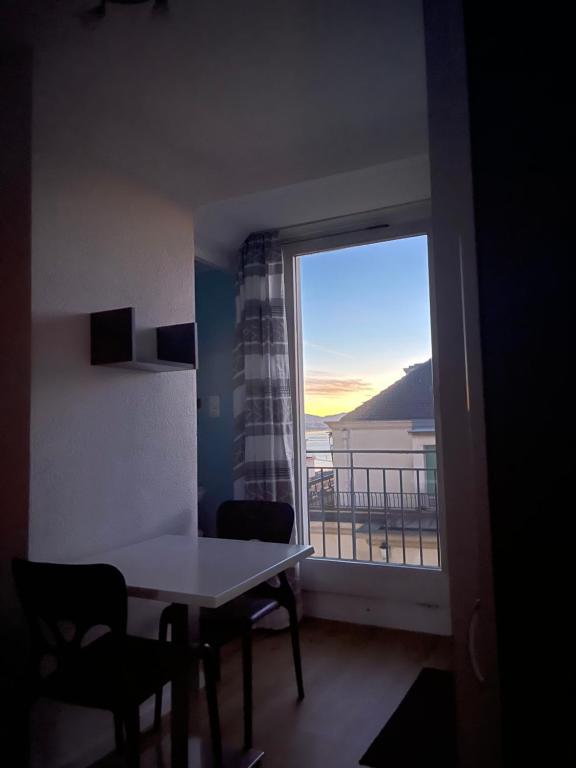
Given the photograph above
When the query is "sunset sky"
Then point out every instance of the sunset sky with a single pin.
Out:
(365, 317)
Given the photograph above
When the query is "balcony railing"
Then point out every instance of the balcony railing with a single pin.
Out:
(376, 506)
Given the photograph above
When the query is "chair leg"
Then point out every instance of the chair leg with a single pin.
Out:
(158, 709)
(132, 724)
(119, 732)
(289, 602)
(295, 636)
(165, 622)
(210, 657)
(247, 677)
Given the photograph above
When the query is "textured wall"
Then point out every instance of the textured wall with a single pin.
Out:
(113, 451)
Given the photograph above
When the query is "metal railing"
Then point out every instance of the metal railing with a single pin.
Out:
(374, 506)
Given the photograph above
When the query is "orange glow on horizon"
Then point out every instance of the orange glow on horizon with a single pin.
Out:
(326, 395)
(329, 405)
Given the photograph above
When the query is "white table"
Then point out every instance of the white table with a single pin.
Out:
(200, 572)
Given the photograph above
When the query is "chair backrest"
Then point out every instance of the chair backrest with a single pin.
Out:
(264, 520)
(62, 603)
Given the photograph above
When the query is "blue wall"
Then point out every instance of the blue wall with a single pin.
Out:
(215, 315)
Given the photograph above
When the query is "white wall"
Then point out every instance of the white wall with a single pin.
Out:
(407, 598)
(113, 451)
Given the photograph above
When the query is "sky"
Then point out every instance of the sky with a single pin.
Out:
(365, 317)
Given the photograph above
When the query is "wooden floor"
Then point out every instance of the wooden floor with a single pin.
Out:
(354, 678)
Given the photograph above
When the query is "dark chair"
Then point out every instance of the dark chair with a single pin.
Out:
(83, 655)
(267, 521)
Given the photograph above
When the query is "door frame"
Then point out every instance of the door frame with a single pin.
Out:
(383, 594)
(460, 388)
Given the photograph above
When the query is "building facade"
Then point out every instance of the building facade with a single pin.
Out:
(388, 444)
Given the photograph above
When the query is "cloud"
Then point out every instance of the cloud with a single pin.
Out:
(328, 350)
(330, 386)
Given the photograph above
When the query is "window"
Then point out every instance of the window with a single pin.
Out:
(363, 353)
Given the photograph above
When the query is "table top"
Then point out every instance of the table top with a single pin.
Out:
(199, 571)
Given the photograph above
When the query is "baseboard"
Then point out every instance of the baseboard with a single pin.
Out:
(413, 617)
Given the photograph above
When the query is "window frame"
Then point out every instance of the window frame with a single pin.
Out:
(401, 222)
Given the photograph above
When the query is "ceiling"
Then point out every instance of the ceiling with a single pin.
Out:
(228, 98)
(344, 200)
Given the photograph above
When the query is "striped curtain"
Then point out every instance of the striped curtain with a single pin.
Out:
(263, 447)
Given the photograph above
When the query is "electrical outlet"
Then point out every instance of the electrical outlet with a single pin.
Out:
(214, 406)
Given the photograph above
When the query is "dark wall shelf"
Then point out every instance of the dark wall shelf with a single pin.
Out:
(113, 343)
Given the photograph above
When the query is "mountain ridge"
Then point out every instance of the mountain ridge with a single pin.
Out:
(314, 422)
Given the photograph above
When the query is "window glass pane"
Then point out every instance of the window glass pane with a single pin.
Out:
(368, 403)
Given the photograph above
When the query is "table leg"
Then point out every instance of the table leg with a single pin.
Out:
(192, 753)
(184, 627)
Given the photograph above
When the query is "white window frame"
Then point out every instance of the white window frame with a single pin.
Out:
(393, 224)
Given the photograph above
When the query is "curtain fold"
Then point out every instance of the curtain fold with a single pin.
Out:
(263, 444)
